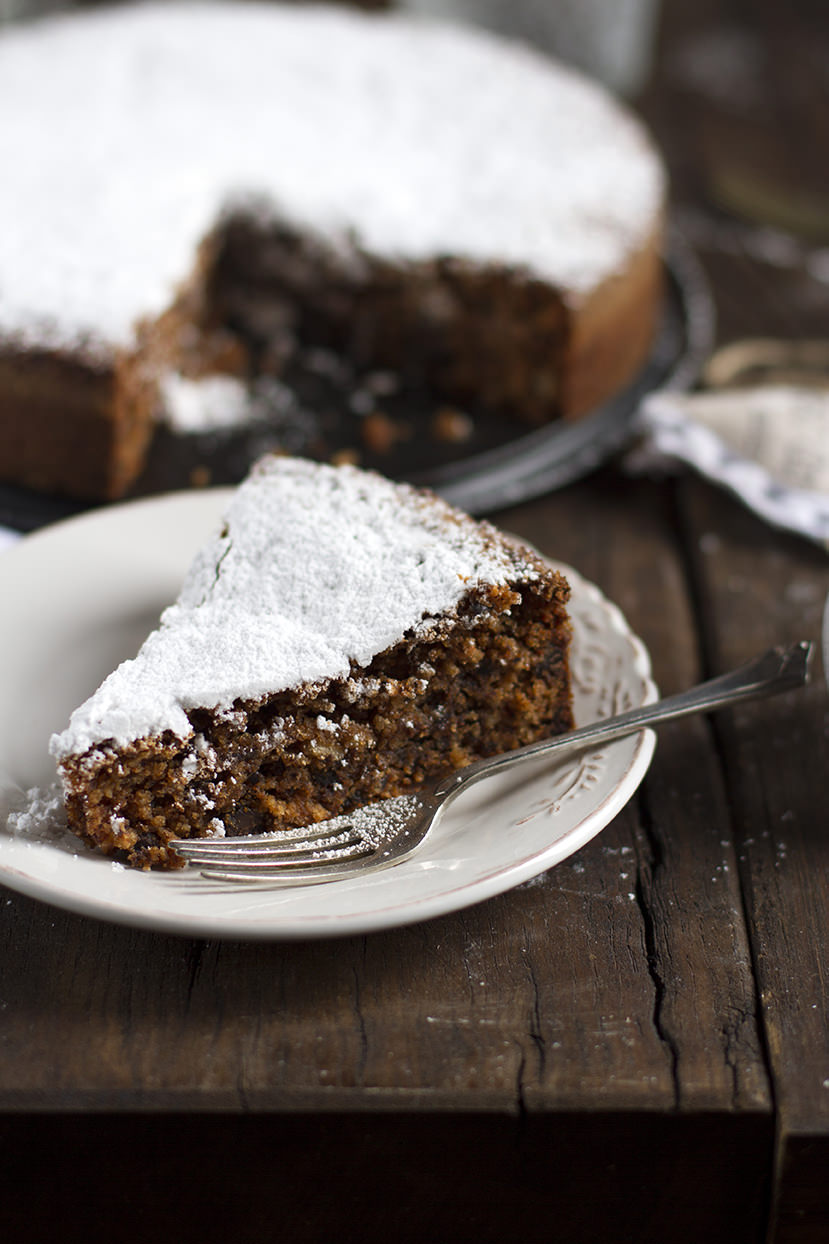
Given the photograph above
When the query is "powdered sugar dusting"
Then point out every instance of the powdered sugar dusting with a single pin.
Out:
(315, 567)
(206, 404)
(41, 817)
(373, 826)
(125, 135)
(376, 823)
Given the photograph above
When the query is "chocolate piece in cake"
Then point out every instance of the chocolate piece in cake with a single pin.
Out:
(340, 181)
(338, 641)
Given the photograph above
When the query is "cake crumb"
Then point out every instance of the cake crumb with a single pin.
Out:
(380, 433)
(451, 426)
(346, 457)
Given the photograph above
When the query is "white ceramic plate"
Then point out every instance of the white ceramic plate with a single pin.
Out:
(80, 596)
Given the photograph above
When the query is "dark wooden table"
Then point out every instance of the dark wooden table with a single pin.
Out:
(632, 1048)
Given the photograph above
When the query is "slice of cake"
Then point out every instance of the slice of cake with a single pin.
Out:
(222, 187)
(337, 641)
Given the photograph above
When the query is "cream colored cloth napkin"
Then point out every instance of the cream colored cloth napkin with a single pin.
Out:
(769, 445)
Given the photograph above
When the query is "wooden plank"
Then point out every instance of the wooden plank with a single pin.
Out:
(757, 589)
(682, 867)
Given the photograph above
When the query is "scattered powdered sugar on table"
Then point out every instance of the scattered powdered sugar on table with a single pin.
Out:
(126, 134)
(314, 568)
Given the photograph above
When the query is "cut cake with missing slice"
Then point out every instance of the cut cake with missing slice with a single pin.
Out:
(340, 639)
(222, 189)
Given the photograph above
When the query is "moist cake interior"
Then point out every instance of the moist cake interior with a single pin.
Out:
(487, 684)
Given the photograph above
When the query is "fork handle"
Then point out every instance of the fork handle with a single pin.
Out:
(779, 669)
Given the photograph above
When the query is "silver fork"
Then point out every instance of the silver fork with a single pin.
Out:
(384, 833)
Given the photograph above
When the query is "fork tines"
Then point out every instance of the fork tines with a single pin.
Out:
(310, 847)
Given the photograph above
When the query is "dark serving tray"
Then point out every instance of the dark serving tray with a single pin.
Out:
(491, 469)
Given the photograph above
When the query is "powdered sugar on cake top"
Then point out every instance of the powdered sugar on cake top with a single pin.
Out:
(315, 567)
(125, 134)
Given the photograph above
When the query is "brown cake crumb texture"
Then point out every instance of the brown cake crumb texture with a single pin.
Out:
(491, 676)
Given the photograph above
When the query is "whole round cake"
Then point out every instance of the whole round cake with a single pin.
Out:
(190, 190)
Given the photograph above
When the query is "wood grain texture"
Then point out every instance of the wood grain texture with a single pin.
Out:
(760, 591)
(679, 868)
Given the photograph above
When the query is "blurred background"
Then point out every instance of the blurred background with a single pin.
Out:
(736, 93)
